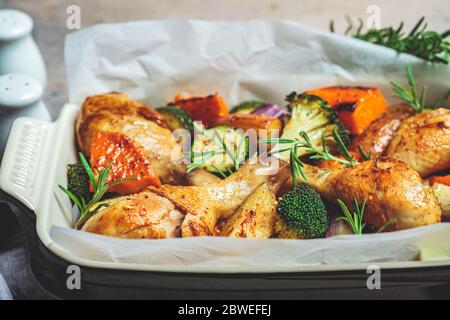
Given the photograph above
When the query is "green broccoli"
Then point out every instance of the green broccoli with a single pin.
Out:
(247, 107)
(314, 116)
(78, 181)
(303, 211)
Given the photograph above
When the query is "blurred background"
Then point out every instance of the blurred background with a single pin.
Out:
(50, 20)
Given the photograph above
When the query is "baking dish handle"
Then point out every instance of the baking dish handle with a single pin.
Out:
(23, 159)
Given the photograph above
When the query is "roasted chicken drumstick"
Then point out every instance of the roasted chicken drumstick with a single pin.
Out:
(172, 211)
(394, 192)
(423, 142)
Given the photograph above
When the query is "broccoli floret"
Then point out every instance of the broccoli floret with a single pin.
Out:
(282, 231)
(303, 211)
(314, 116)
(78, 181)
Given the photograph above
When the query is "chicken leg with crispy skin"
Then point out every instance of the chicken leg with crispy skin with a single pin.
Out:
(116, 112)
(395, 193)
(171, 211)
(206, 206)
(377, 136)
(255, 217)
(423, 142)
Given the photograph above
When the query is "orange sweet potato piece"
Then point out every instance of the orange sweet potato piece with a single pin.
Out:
(357, 106)
(262, 124)
(440, 179)
(128, 161)
(205, 109)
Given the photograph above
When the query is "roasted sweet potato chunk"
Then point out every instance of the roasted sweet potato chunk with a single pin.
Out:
(205, 109)
(357, 106)
(264, 126)
(128, 161)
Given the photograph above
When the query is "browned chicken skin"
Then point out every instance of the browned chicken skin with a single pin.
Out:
(143, 215)
(376, 138)
(171, 211)
(244, 204)
(116, 112)
(394, 192)
(423, 142)
(256, 217)
(206, 206)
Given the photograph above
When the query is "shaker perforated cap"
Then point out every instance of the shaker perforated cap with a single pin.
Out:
(19, 90)
(14, 24)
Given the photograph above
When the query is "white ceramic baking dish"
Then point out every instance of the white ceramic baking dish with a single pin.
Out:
(35, 163)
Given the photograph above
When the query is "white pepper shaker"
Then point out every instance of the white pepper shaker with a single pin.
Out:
(18, 51)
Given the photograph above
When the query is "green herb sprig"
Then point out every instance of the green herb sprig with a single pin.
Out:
(297, 166)
(420, 42)
(324, 153)
(365, 155)
(203, 157)
(355, 220)
(410, 94)
(100, 186)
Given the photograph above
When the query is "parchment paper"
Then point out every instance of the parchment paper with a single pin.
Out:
(152, 61)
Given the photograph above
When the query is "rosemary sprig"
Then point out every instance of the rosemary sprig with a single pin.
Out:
(202, 157)
(364, 154)
(324, 154)
(296, 165)
(420, 42)
(355, 220)
(410, 94)
(100, 189)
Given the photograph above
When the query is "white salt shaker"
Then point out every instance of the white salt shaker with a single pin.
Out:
(20, 96)
(18, 51)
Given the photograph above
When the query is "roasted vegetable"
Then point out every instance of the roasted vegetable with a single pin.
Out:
(205, 109)
(264, 126)
(127, 161)
(440, 180)
(304, 212)
(220, 150)
(357, 107)
(312, 115)
(176, 118)
(78, 181)
(271, 110)
(247, 107)
(99, 188)
(282, 231)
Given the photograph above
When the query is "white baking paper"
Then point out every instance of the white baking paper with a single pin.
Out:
(154, 60)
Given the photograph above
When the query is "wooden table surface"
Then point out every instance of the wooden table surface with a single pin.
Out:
(50, 19)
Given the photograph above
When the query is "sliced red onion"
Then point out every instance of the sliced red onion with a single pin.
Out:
(271, 110)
